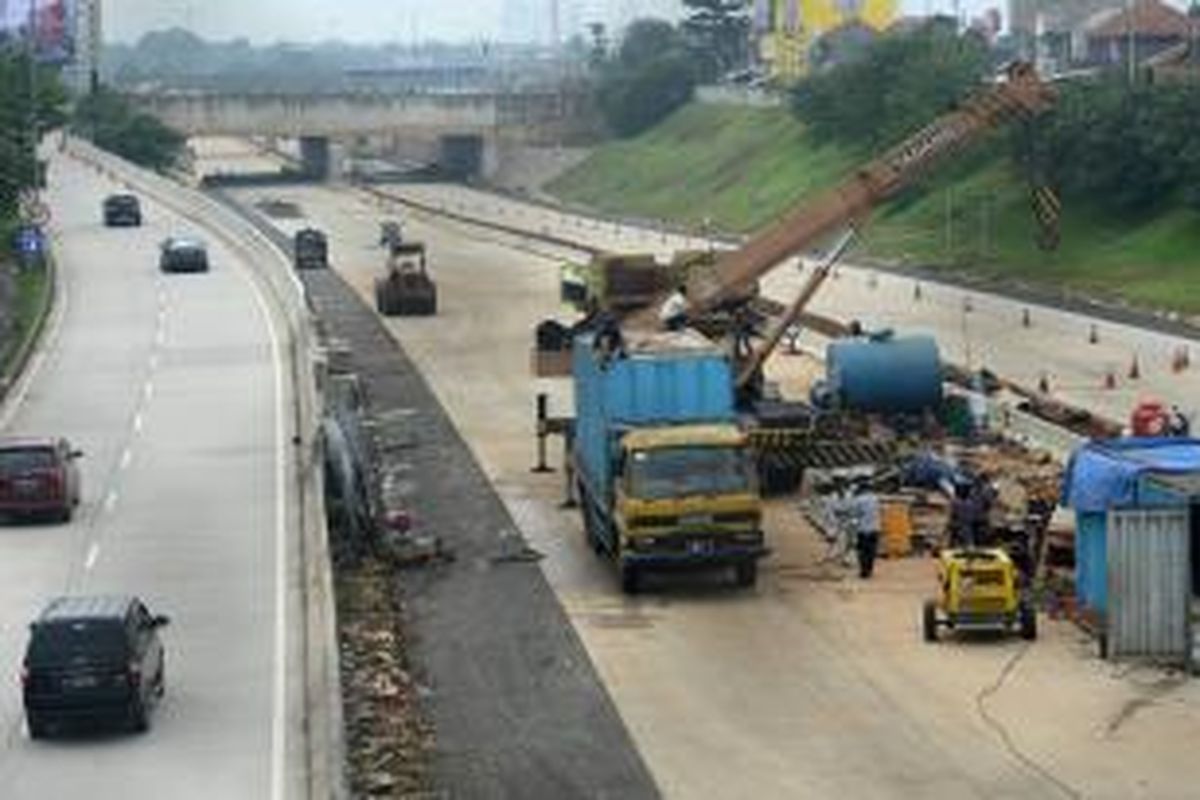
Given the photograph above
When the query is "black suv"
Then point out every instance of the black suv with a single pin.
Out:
(121, 210)
(92, 659)
(183, 255)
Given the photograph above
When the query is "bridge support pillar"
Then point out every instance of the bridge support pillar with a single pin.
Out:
(314, 154)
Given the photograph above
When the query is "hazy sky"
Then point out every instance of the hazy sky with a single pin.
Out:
(360, 20)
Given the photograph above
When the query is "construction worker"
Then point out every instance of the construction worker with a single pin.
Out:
(1179, 425)
(673, 312)
(867, 527)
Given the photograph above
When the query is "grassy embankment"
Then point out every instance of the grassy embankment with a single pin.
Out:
(25, 304)
(741, 167)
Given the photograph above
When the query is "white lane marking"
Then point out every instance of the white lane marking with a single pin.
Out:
(279, 688)
(148, 390)
(126, 458)
(110, 502)
(92, 554)
(153, 361)
(161, 337)
(138, 422)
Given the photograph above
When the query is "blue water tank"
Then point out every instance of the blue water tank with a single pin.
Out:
(884, 373)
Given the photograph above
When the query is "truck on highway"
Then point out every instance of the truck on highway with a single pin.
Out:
(664, 475)
(310, 249)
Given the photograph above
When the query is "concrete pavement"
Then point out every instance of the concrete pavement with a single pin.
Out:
(813, 685)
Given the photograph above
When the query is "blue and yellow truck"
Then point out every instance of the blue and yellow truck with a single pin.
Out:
(664, 474)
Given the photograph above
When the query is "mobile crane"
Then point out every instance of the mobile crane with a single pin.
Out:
(659, 458)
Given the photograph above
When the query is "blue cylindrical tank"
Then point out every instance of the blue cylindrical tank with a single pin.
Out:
(885, 373)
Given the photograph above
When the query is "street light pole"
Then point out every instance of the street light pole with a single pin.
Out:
(1131, 40)
(31, 96)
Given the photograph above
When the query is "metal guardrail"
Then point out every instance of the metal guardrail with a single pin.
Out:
(271, 268)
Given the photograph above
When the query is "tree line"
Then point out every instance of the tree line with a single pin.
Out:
(1124, 146)
(656, 66)
(32, 102)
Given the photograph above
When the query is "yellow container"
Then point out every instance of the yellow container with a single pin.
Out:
(897, 528)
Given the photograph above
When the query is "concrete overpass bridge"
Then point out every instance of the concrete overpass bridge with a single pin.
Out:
(466, 132)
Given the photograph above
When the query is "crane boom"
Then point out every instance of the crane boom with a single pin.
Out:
(1021, 96)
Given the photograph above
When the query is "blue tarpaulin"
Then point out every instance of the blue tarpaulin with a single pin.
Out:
(1104, 475)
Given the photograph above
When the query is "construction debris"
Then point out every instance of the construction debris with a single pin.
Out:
(389, 744)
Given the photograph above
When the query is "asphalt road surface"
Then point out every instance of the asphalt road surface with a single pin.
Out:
(170, 385)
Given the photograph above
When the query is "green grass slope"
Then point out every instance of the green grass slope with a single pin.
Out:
(738, 166)
(742, 167)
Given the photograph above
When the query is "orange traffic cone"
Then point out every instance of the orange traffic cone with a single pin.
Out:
(1135, 371)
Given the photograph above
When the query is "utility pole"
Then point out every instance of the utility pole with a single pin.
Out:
(31, 97)
(1131, 43)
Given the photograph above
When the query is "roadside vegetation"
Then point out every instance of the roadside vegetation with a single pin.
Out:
(111, 122)
(656, 66)
(31, 104)
(1125, 159)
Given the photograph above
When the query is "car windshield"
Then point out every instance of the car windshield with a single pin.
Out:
(16, 460)
(77, 640)
(681, 471)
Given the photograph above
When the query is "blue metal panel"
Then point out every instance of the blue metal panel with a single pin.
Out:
(646, 388)
(1091, 564)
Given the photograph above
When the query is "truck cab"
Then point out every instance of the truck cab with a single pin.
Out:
(687, 496)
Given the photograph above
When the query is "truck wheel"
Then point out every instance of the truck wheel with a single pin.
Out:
(1028, 615)
(631, 579)
(747, 573)
(929, 625)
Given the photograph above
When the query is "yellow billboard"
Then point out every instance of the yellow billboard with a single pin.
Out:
(795, 24)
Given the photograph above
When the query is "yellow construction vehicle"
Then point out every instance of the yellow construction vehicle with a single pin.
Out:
(978, 589)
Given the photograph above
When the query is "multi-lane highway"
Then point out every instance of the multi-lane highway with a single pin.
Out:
(172, 386)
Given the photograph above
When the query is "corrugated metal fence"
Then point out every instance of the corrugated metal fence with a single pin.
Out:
(1149, 585)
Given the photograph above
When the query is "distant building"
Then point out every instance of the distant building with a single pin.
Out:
(1181, 62)
(1148, 27)
(1066, 34)
(1024, 16)
(84, 69)
(787, 31)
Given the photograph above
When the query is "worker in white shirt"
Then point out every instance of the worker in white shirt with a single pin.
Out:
(673, 312)
(867, 519)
